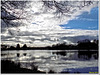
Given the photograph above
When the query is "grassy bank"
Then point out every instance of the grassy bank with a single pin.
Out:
(10, 67)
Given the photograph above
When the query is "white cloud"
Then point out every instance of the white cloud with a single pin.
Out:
(42, 28)
(43, 39)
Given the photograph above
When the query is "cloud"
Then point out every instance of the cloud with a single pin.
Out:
(69, 36)
(42, 28)
(78, 38)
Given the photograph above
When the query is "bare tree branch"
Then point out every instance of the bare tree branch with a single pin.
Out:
(64, 7)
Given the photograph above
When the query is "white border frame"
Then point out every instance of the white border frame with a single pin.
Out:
(53, 74)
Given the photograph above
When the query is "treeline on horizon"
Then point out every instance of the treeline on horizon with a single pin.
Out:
(81, 45)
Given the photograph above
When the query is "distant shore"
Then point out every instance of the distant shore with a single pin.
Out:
(81, 45)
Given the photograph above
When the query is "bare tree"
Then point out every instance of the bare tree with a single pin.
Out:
(12, 10)
(11, 13)
(65, 7)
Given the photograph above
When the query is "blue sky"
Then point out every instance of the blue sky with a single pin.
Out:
(85, 21)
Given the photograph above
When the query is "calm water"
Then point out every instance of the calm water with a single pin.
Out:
(52, 60)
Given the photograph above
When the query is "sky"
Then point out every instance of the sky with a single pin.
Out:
(85, 21)
(44, 28)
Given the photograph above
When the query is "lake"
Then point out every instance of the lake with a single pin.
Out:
(57, 60)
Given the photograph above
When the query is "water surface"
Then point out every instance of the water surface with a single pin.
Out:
(55, 60)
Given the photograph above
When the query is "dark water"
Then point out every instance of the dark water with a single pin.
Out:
(56, 60)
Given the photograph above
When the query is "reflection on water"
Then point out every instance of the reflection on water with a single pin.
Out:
(56, 60)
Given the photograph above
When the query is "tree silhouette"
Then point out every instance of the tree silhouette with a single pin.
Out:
(86, 44)
(12, 47)
(24, 46)
(18, 46)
